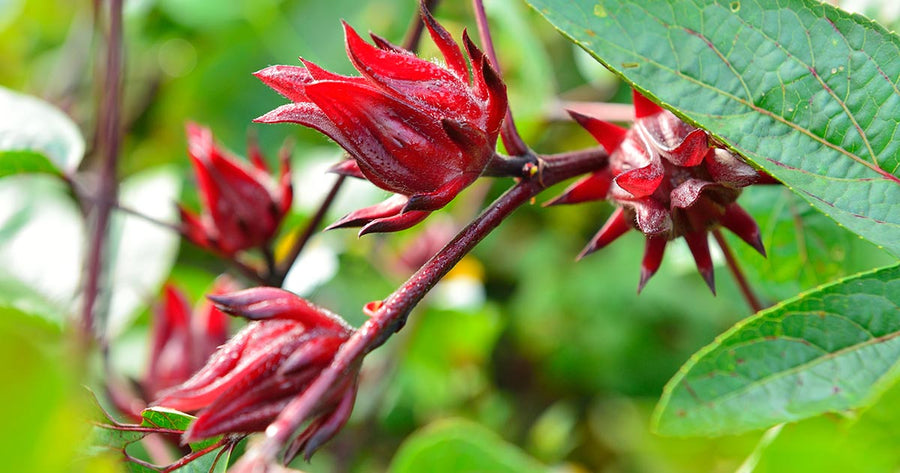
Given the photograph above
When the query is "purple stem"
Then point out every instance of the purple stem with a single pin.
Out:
(109, 132)
(512, 141)
(736, 272)
(392, 314)
(417, 26)
(285, 265)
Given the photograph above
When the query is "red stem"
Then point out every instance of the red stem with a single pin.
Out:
(392, 314)
(285, 265)
(736, 272)
(108, 130)
(509, 134)
(417, 26)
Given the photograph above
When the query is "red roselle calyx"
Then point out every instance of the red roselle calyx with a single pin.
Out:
(669, 179)
(250, 379)
(242, 205)
(182, 341)
(413, 127)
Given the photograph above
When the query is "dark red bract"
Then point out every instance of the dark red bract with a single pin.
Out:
(669, 180)
(413, 127)
(242, 206)
(250, 379)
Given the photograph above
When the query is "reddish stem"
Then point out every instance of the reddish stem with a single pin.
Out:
(509, 134)
(392, 314)
(417, 26)
(736, 272)
(285, 265)
(108, 130)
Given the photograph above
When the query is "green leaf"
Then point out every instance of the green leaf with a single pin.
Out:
(164, 418)
(460, 446)
(828, 350)
(802, 89)
(22, 162)
(30, 124)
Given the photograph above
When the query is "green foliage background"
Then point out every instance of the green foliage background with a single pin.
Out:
(557, 367)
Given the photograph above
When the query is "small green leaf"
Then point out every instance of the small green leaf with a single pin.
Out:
(802, 89)
(828, 350)
(30, 124)
(460, 446)
(25, 162)
(165, 418)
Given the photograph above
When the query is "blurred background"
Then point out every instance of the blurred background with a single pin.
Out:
(521, 360)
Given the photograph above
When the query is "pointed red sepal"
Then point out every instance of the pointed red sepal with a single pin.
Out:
(386, 45)
(193, 228)
(322, 429)
(288, 81)
(643, 107)
(607, 134)
(487, 85)
(395, 223)
(615, 226)
(592, 187)
(654, 249)
(641, 182)
(444, 41)
(285, 184)
(699, 246)
(476, 57)
(254, 153)
(389, 207)
(347, 167)
(691, 151)
(261, 303)
(742, 224)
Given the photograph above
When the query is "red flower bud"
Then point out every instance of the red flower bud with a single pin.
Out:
(181, 341)
(416, 128)
(251, 378)
(669, 179)
(242, 206)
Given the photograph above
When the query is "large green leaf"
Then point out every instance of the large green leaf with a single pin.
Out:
(804, 90)
(827, 350)
(36, 136)
(459, 446)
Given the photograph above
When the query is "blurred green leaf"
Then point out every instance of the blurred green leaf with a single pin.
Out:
(803, 89)
(41, 243)
(460, 446)
(828, 350)
(41, 402)
(164, 418)
(25, 162)
(30, 124)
